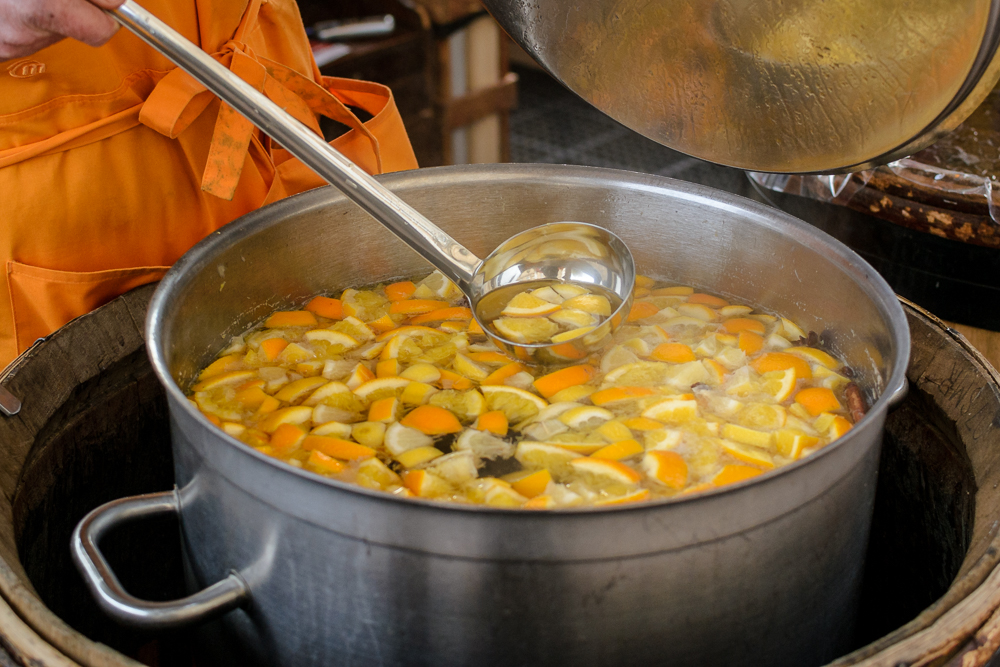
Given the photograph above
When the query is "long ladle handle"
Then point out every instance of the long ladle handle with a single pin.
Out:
(437, 247)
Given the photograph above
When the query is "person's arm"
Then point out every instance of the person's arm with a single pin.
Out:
(27, 26)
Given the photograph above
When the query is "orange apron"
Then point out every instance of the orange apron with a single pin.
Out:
(113, 162)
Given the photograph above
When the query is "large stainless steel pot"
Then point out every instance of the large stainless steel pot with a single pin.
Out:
(760, 573)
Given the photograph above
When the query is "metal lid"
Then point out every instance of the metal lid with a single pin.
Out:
(770, 85)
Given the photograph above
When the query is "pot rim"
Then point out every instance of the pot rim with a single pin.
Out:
(560, 175)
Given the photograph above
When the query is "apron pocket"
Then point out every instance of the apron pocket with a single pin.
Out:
(45, 299)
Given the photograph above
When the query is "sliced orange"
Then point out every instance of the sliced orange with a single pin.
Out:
(293, 391)
(676, 353)
(534, 484)
(425, 484)
(667, 468)
(641, 310)
(494, 421)
(226, 363)
(416, 306)
(337, 448)
(287, 437)
(387, 368)
(379, 388)
(594, 304)
(642, 424)
(733, 473)
(400, 291)
(782, 361)
(526, 304)
(225, 379)
(673, 409)
(840, 427)
(817, 400)
(498, 376)
(619, 450)
(442, 314)
(432, 420)
(751, 343)
(359, 376)
(634, 497)
(606, 470)
(619, 394)
(644, 281)
(738, 324)
(251, 397)
(708, 300)
(412, 458)
(567, 351)
(272, 347)
(382, 324)
(324, 306)
(553, 383)
(425, 373)
(409, 330)
(748, 454)
(811, 354)
(298, 414)
(492, 358)
(323, 463)
(475, 329)
(291, 318)
(790, 443)
(450, 380)
(384, 410)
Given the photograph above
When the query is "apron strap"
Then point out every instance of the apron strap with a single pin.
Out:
(177, 100)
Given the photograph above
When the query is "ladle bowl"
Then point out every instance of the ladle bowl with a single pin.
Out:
(566, 251)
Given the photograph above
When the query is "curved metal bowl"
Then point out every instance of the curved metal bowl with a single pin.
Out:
(771, 85)
(339, 570)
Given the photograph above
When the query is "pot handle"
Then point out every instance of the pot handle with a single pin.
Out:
(108, 591)
(897, 397)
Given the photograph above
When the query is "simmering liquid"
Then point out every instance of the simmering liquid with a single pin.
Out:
(395, 387)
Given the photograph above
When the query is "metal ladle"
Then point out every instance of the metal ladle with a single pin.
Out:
(571, 252)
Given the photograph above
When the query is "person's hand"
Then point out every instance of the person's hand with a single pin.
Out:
(27, 26)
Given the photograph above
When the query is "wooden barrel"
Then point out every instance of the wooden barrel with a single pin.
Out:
(94, 427)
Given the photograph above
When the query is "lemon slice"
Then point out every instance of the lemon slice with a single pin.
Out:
(456, 468)
(640, 374)
(575, 319)
(674, 409)
(354, 328)
(527, 305)
(585, 417)
(541, 455)
(466, 405)
(748, 454)
(763, 416)
(526, 330)
(483, 444)
(747, 436)
(779, 384)
(516, 404)
(814, 356)
(548, 294)
(437, 285)
(570, 335)
(373, 390)
(605, 470)
(399, 439)
(569, 291)
(589, 303)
